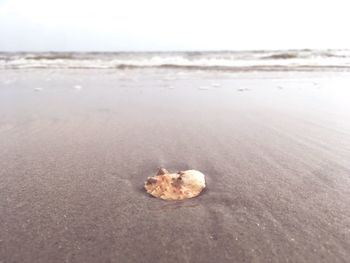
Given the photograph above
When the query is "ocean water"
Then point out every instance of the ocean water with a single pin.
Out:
(282, 60)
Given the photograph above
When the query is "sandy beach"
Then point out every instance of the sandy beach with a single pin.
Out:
(77, 145)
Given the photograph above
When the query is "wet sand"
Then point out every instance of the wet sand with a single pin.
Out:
(275, 148)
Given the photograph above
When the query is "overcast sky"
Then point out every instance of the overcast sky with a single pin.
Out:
(114, 25)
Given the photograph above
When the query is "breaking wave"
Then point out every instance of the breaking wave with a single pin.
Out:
(293, 60)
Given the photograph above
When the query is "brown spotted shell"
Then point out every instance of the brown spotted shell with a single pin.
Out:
(175, 186)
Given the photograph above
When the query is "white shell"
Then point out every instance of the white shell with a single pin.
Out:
(175, 186)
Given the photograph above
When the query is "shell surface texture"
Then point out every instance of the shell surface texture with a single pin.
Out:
(175, 186)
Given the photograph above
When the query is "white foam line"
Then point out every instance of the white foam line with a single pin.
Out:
(203, 88)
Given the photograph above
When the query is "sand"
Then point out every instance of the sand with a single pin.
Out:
(275, 149)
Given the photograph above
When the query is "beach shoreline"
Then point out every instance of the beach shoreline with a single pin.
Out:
(77, 146)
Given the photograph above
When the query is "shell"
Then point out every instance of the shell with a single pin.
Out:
(175, 186)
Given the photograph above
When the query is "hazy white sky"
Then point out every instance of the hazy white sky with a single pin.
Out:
(113, 25)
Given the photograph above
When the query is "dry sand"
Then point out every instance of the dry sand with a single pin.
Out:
(275, 148)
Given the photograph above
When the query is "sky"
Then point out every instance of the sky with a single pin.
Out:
(151, 25)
